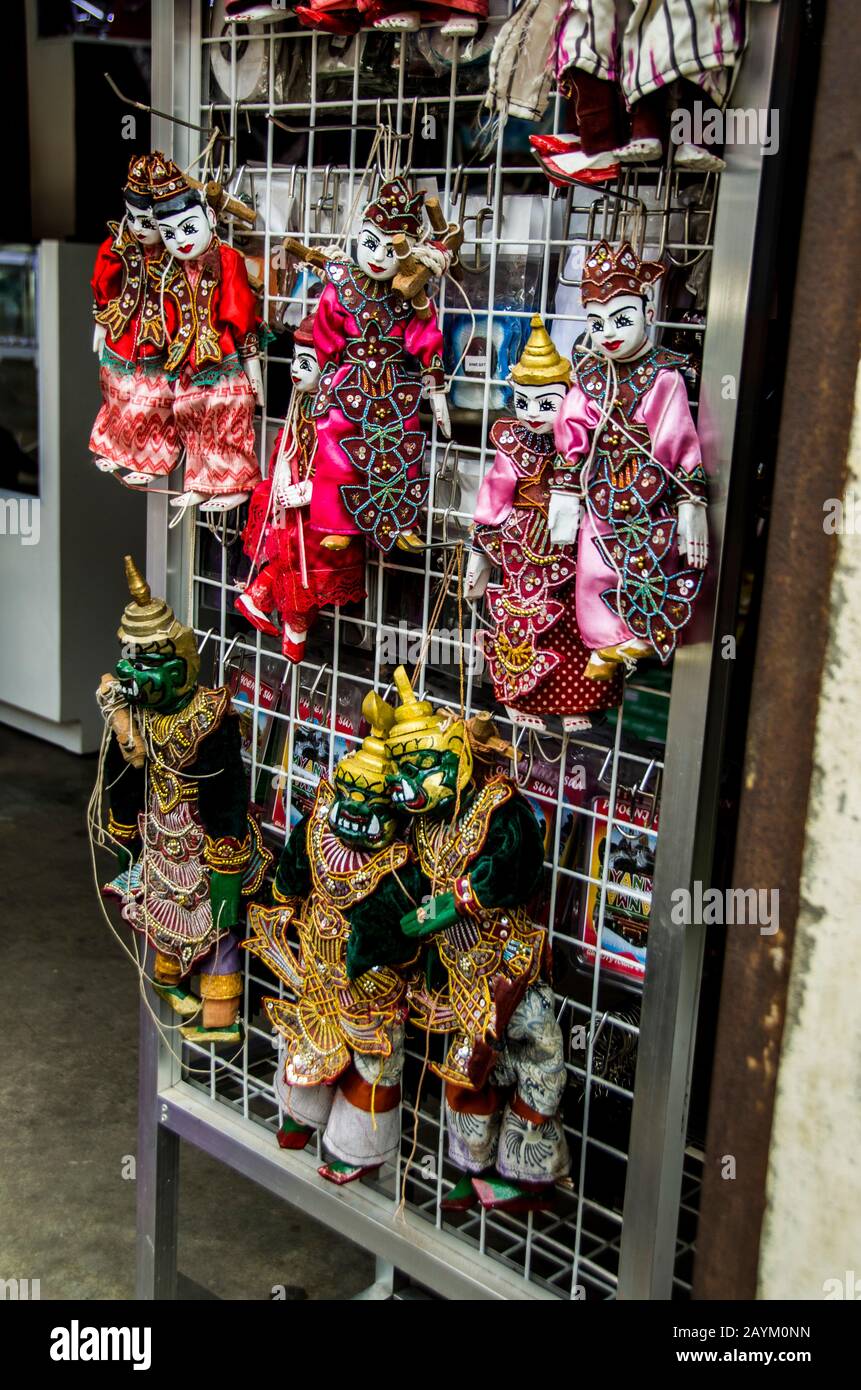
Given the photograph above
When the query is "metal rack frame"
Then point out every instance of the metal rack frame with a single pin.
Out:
(172, 1109)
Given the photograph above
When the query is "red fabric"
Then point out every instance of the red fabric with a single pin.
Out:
(107, 274)
(107, 283)
(234, 309)
(135, 426)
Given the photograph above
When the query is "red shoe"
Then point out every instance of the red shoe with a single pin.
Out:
(253, 615)
(564, 162)
(292, 1135)
(500, 1194)
(329, 18)
(340, 1173)
(294, 651)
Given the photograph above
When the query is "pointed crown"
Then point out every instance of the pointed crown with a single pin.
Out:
(396, 209)
(137, 186)
(539, 363)
(370, 764)
(168, 182)
(418, 725)
(151, 624)
(608, 272)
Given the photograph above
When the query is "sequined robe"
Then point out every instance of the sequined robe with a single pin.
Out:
(630, 578)
(371, 448)
(535, 655)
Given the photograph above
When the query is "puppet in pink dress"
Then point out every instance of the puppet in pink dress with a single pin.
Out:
(631, 479)
(290, 569)
(377, 357)
(535, 654)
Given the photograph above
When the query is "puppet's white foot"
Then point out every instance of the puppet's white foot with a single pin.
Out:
(225, 503)
(405, 22)
(462, 26)
(688, 156)
(105, 465)
(575, 723)
(186, 500)
(525, 721)
(645, 151)
(134, 479)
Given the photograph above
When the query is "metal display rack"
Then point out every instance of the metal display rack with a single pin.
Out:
(627, 1135)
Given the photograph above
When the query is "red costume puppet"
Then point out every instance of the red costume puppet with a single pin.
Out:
(295, 573)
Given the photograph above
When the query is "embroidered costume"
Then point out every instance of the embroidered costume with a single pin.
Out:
(371, 449)
(536, 656)
(179, 815)
(481, 854)
(343, 883)
(629, 449)
(134, 427)
(292, 570)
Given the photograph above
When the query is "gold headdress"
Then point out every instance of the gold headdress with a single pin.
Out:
(150, 624)
(369, 765)
(539, 363)
(418, 726)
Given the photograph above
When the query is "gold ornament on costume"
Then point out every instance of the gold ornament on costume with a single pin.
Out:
(150, 625)
(369, 765)
(418, 726)
(539, 363)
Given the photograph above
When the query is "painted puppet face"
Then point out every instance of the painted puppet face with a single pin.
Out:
(425, 780)
(618, 328)
(304, 370)
(155, 679)
(187, 234)
(538, 406)
(362, 816)
(142, 225)
(375, 253)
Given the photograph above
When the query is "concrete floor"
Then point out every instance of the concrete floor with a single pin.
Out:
(69, 1077)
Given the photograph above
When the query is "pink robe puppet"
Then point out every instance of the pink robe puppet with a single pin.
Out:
(376, 355)
(214, 333)
(536, 656)
(631, 473)
(291, 570)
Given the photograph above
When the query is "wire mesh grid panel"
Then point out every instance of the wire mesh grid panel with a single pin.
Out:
(300, 111)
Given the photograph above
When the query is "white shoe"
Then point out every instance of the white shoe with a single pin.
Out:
(186, 500)
(406, 22)
(225, 503)
(462, 26)
(105, 465)
(640, 151)
(137, 479)
(688, 156)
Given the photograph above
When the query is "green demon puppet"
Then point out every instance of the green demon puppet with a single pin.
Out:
(187, 847)
(343, 884)
(480, 852)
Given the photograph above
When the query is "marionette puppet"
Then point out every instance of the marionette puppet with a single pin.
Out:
(214, 332)
(630, 482)
(480, 852)
(614, 60)
(379, 351)
(344, 881)
(134, 428)
(535, 654)
(291, 570)
(187, 847)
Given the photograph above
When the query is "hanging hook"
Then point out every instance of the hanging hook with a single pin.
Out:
(162, 115)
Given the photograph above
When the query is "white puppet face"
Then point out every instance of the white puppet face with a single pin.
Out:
(538, 406)
(142, 225)
(187, 234)
(375, 253)
(304, 370)
(618, 328)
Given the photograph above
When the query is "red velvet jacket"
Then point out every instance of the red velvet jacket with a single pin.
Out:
(125, 288)
(210, 309)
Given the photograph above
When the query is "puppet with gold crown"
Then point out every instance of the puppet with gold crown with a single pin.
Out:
(481, 852)
(333, 937)
(134, 428)
(291, 570)
(535, 654)
(630, 483)
(188, 849)
(379, 352)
